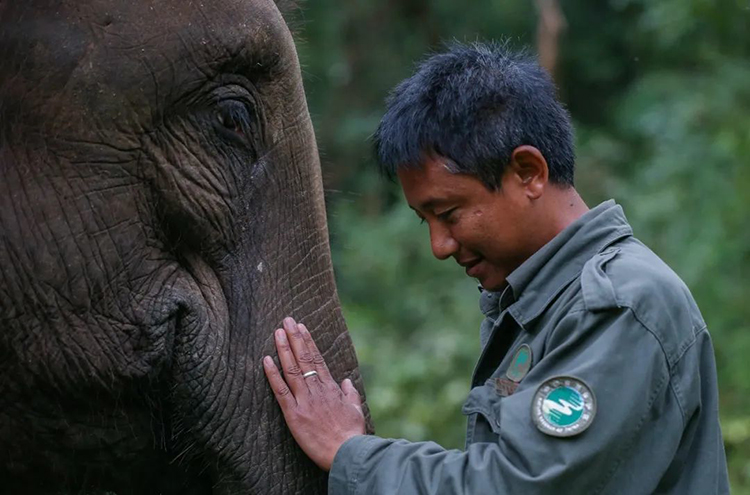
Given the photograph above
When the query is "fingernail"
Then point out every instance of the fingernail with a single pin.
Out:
(303, 328)
(267, 361)
(289, 321)
(281, 335)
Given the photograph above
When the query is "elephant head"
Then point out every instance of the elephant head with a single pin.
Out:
(161, 212)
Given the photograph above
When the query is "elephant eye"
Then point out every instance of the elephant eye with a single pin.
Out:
(234, 117)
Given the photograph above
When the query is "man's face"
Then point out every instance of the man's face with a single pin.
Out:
(489, 233)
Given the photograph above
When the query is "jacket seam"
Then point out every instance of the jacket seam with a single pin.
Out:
(652, 398)
(653, 334)
(696, 333)
(671, 366)
(675, 387)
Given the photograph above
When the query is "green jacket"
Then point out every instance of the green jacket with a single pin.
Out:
(597, 375)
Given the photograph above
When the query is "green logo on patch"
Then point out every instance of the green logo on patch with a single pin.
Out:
(563, 406)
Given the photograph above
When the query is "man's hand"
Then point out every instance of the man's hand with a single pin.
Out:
(320, 415)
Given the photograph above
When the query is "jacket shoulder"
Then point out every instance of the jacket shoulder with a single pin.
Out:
(629, 275)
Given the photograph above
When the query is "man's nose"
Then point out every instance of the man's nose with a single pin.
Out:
(442, 242)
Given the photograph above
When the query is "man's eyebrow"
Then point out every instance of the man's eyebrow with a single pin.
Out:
(430, 204)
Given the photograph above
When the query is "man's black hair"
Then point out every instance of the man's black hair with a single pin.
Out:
(473, 105)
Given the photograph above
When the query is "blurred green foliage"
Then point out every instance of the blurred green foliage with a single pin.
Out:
(660, 95)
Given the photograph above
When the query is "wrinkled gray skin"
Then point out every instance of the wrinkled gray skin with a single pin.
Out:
(161, 210)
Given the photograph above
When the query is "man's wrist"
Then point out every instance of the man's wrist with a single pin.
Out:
(333, 455)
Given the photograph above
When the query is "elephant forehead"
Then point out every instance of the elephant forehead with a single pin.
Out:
(110, 56)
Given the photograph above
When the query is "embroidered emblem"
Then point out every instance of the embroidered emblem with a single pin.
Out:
(563, 406)
(520, 364)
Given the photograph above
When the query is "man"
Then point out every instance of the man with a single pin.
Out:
(597, 373)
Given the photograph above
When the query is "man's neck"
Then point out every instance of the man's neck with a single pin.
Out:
(570, 207)
(561, 208)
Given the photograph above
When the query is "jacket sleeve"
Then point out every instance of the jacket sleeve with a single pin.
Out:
(635, 432)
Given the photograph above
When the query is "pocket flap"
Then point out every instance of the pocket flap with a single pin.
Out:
(485, 400)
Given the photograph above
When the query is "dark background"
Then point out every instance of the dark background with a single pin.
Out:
(660, 97)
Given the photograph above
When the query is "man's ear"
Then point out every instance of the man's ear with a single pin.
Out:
(529, 167)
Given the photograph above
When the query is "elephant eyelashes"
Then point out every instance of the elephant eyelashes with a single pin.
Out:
(236, 121)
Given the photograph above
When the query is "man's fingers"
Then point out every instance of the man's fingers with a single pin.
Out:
(280, 389)
(350, 393)
(319, 364)
(292, 370)
(302, 354)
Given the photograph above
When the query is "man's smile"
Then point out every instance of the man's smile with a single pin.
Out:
(472, 266)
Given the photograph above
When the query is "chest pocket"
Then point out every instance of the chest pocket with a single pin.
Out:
(486, 403)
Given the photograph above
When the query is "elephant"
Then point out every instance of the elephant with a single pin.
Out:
(162, 212)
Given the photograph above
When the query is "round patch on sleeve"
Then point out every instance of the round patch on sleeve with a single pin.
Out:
(563, 406)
